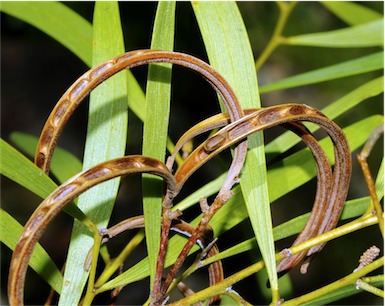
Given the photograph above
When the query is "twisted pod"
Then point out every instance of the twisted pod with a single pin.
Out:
(55, 124)
(235, 126)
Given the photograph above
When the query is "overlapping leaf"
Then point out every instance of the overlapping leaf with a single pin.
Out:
(360, 65)
(155, 126)
(105, 140)
(363, 35)
(229, 51)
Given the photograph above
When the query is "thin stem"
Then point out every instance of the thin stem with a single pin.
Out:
(105, 255)
(285, 10)
(199, 230)
(116, 262)
(197, 264)
(220, 288)
(90, 294)
(369, 288)
(351, 279)
(350, 227)
(223, 286)
(275, 297)
(372, 279)
(362, 159)
(166, 225)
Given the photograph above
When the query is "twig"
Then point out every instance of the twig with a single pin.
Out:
(285, 9)
(221, 287)
(362, 159)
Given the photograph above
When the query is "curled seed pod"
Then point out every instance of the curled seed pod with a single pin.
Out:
(332, 191)
(91, 79)
(63, 195)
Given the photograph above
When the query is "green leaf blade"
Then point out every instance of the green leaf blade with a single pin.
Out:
(106, 139)
(360, 65)
(363, 35)
(155, 127)
(21, 170)
(41, 262)
(229, 51)
(351, 12)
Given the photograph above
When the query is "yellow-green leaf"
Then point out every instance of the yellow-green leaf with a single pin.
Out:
(370, 34)
(351, 12)
(360, 65)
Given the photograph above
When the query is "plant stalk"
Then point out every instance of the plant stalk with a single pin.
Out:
(285, 10)
(90, 294)
(223, 286)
